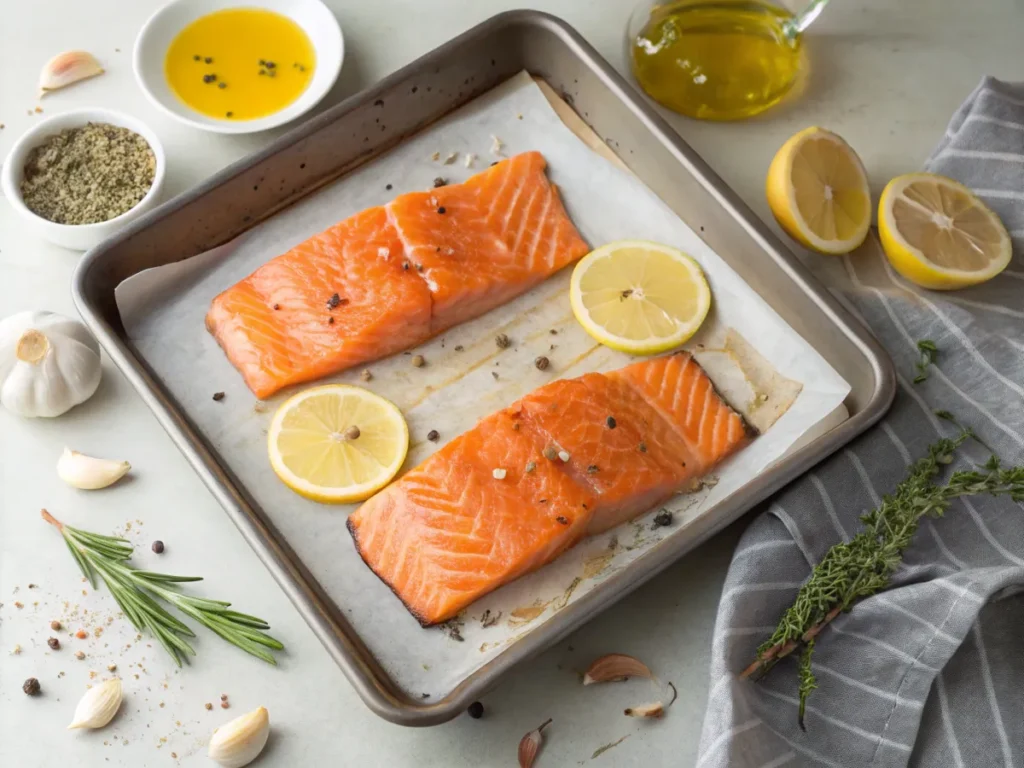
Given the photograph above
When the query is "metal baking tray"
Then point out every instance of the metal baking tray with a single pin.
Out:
(346, 136)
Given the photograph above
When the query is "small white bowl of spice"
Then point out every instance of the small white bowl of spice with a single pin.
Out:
(79, 177)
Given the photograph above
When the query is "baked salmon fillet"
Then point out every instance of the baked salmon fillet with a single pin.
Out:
(571, 459)
(390, 277)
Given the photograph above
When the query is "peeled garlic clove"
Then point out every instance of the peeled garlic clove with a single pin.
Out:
(88, 473)
(98, 706)
(240, 742)
(615, 667)
(529, 745)
(67, 68)
(654, 709)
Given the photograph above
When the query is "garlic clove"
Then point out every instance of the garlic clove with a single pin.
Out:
(615, 667)
(654, 710)
(240, 741)
(88, 473)
(98, 706)
(68, 68)
(529, 745)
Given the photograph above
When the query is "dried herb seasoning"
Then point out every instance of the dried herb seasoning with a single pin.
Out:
(87, 175)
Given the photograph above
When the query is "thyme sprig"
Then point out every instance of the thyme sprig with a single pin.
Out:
(135, 592)
(854, 570)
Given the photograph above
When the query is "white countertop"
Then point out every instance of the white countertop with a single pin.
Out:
(885, 75)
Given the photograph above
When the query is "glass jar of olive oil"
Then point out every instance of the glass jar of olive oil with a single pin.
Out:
(716, 59)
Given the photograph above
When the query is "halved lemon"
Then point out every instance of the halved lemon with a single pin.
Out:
(639, 297)
(818, 192)
(337, 443)
(938, 234)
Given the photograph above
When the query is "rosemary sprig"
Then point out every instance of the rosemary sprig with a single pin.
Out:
(135, 590)
(852, 571)
(929, 354)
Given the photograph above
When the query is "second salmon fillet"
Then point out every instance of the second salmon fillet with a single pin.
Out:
(393, 276)
(571, 459)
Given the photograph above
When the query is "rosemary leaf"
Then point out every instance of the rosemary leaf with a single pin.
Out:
(807, 680)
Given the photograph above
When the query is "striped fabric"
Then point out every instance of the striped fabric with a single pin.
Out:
(931, 672)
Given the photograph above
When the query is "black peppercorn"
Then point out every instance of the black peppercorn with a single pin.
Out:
(440, 181)
(475, 710)
(663, 518)
(54, 643)
(441, 209)
(158, 547)
(334, 301)
(610, 421)
(542, 363)
(218, 396)
(433, 436)
(208, 60)
(31, 687)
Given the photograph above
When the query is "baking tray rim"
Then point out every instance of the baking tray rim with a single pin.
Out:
(377, 692)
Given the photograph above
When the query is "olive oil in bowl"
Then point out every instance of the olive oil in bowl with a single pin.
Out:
(715, 60)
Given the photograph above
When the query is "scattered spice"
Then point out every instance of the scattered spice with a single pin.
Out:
(55, 625)
(662, 519)
(499, 474)
(352, 433)
(515, 427)
(330, 320)
(562, 519)
(475, 710)
(451, 158)
(642, 447)
(542, 363)
(79, 655)
(16, 650)
(277, 307)
(18, 604)
(418, 361)
(54, 643)
(334, 301)
(564, 456)
(218, 396)
(459, 347)
(366, 375)
(31, 687)
(489, 619)
(387, 187)
(530, 466)
(158, 547)
(495, 375)
(88, 174)
(593, 469)
(222, 84)
(111, 667)
(433, 436)
(503, 341)
(550, 453)
(440, 181)
(209, 79)
(229, 114)
(81, 634)
(208, 60)
(224, 704)
(208, 705)
(610, 422)
(442, 210)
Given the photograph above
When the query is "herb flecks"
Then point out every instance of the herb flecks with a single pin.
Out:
(137, 592)
(929, 354)
(852, 571)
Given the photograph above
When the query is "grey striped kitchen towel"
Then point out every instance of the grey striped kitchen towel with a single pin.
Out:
(930, 672)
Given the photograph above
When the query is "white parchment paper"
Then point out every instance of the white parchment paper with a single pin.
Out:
(466, 376)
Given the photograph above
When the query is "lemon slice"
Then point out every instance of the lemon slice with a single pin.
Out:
(337, 443)
(818, 192)
(639, 297)
(938, 234)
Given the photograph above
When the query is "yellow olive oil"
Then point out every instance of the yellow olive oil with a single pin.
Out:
(240, 63)
(716, 60)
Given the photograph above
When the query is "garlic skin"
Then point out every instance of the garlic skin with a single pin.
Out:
(615, 667)
(48, 364)
(98, 706)
(88, 473)
(240, 741)
(68, 68)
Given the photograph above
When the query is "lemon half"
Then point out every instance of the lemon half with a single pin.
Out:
(938, 234)
(337, 443)
(818, 192)
(639, 297)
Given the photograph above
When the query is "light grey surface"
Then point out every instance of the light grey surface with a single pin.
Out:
(927, 673)
(886, 76)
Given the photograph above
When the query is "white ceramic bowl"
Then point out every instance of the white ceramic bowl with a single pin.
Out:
(156, 36)
(79, 237)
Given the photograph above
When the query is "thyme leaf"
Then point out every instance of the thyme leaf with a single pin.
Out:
(929, 354)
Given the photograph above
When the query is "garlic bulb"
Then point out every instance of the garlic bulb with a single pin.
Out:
(98, 706)
(68, 68)
(88, 473)
(240, 742)
(48, 363)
